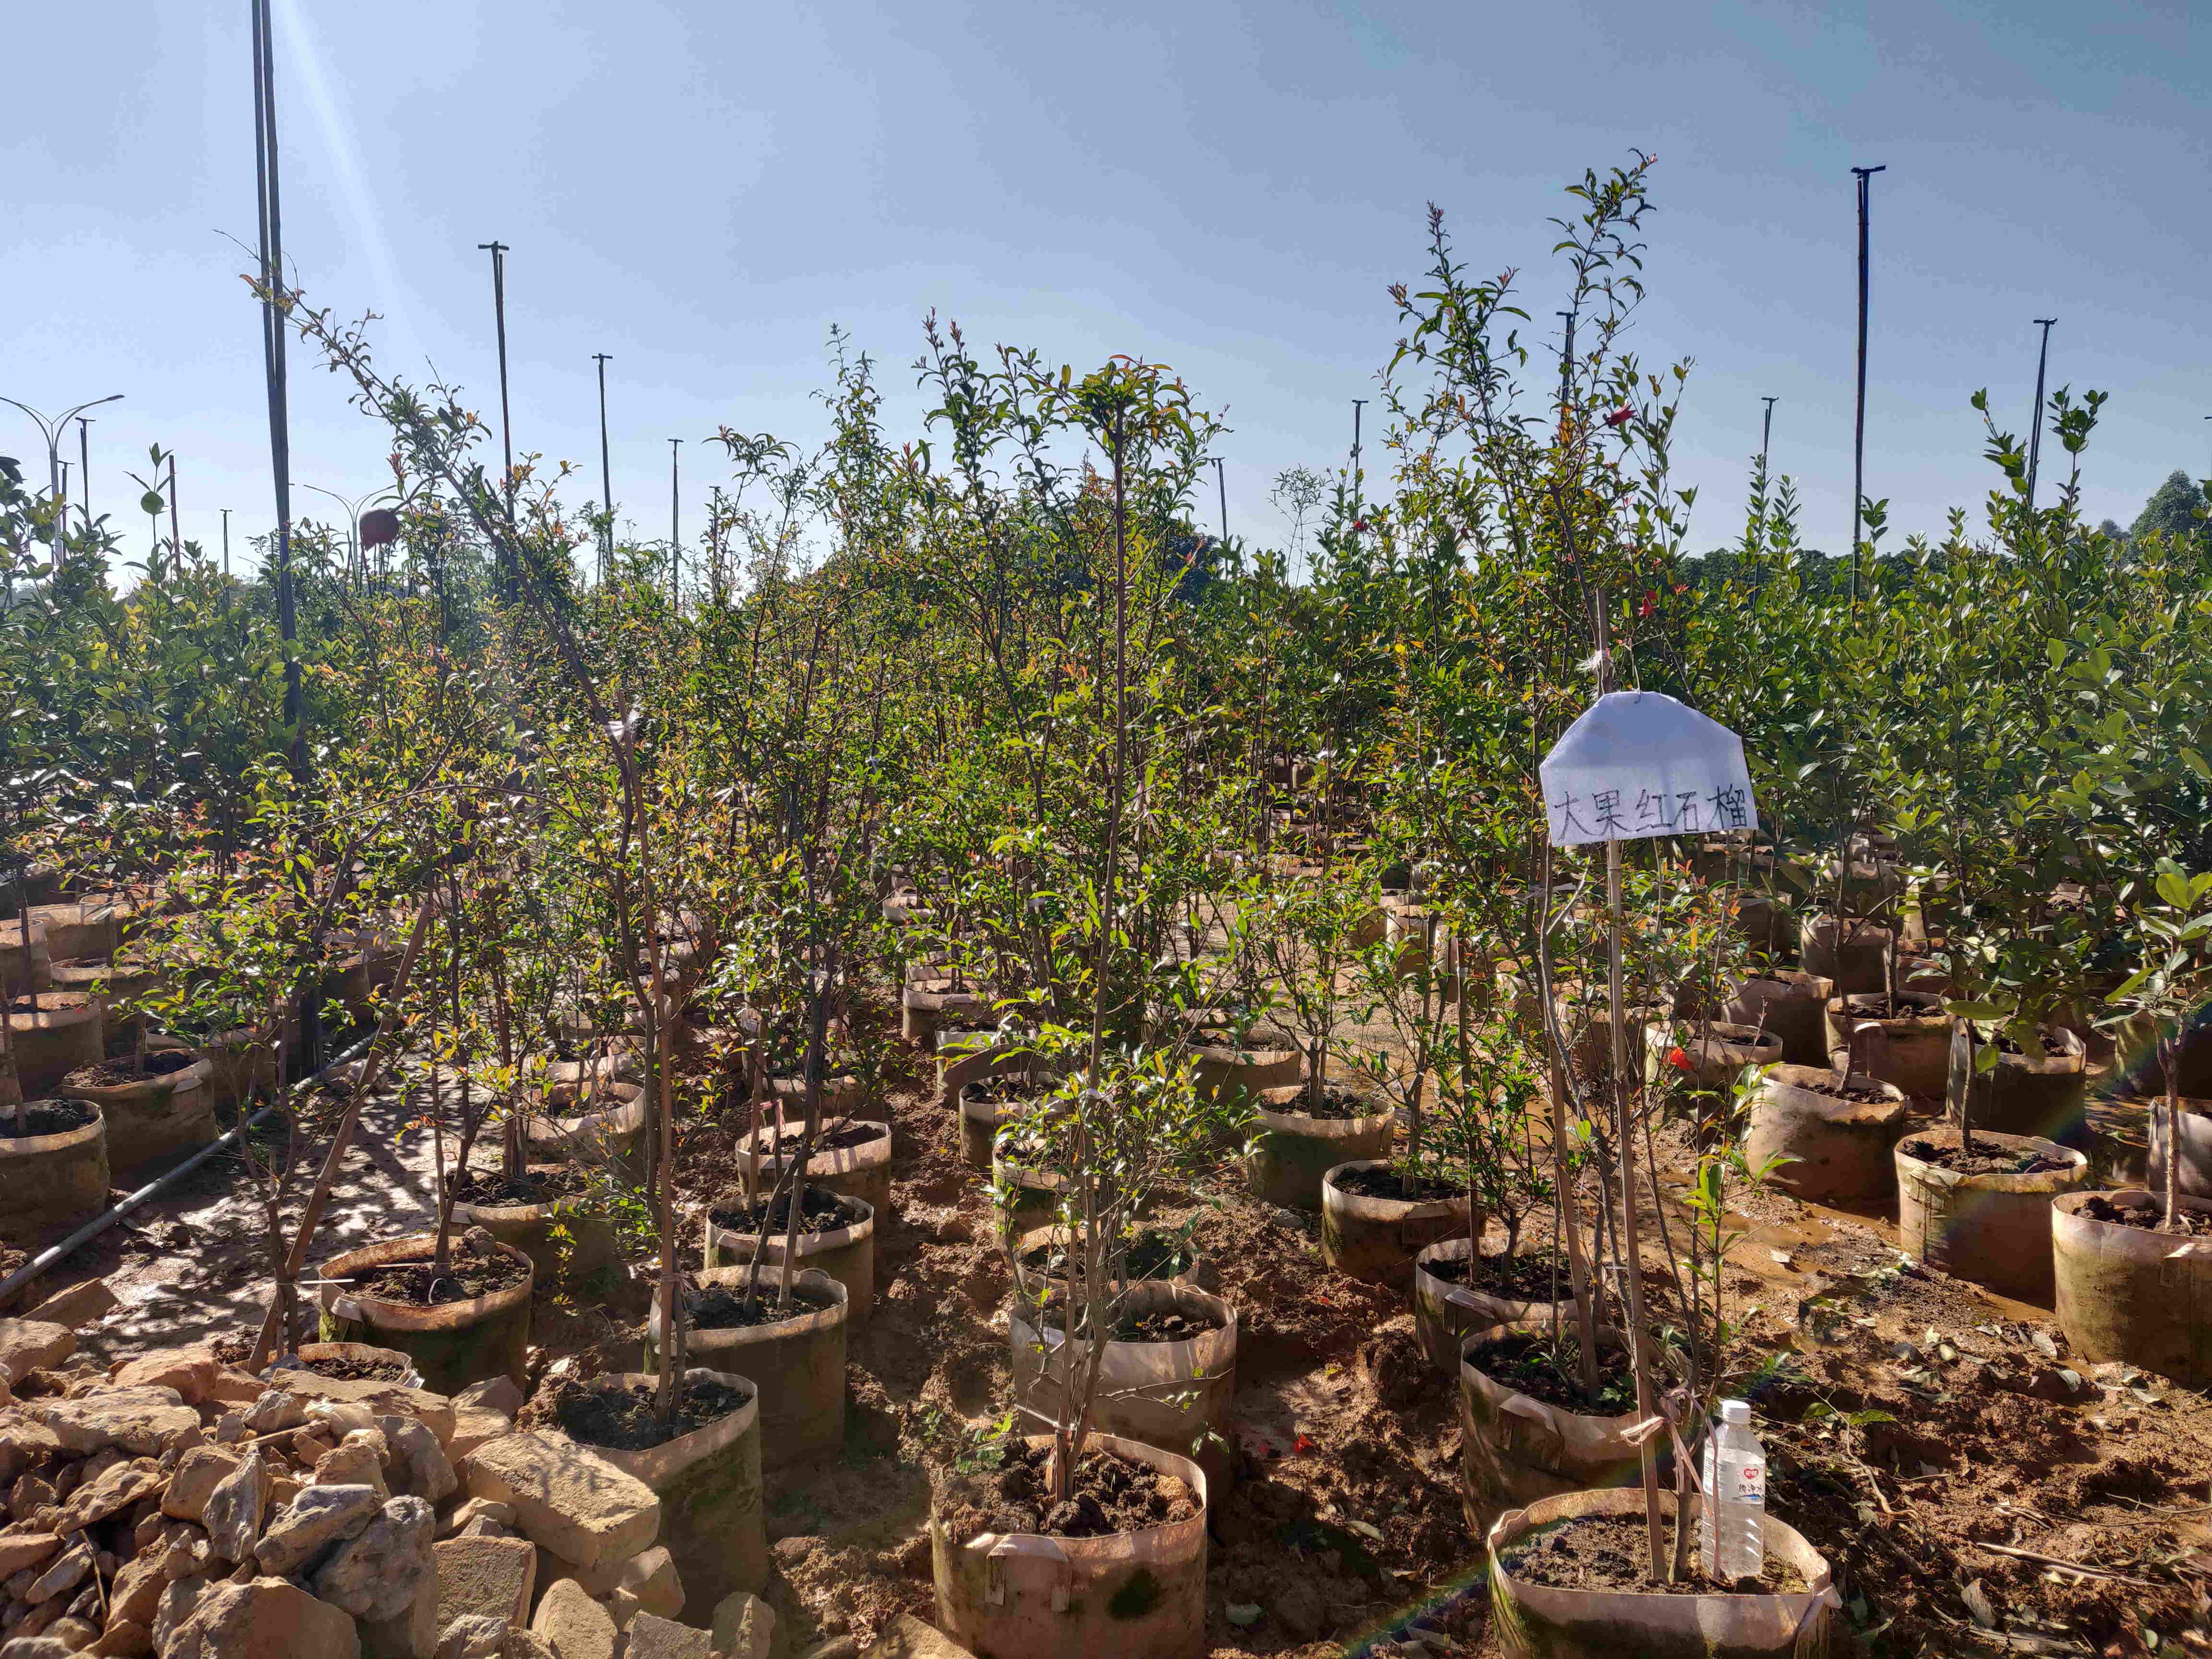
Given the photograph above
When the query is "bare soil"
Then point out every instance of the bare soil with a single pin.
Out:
(1332, 1105)
(358, 1371)
(2187, 1224)
(1834, 1088)
(1109, 1495)
(1386, 1183)
(47, 1117)
(1533, 1366)
(629, 1419)
(830, 1140)
(472, 1270)
(1526, 1276)
(492, 1189)
(1988, 1158)
(725, 1308)
(1613, 1552)
(822, 1212)
(119, 1069)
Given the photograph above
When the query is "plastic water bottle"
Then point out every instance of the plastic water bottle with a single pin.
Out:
(1731, 1529)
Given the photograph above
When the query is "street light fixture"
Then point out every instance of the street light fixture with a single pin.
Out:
(353, 518)
(52, 432)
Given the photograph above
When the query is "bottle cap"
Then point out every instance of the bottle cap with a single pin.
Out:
(1735, 1411)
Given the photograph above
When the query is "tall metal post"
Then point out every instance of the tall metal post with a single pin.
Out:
(1222, 479)
(675, 534)
(606, 476)
(2035, 420)
(1358, 405)
(84, 470)
(1865, 176)
(498, 250)
(226, 541)
(1765, 433)
(268, 177)
(176, 540)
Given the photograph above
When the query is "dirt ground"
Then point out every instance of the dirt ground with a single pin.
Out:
(1922, 1434)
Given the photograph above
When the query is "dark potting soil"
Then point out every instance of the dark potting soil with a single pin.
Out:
(629, 1419)
(1836, 1090)
(1333, 1106)
(45, 1002)
(1168, 1325)
(118, 1069)
(1516, 1278)
(1529, 1364)
(356, 1370)
(2188, 1224)
(475, 1267)
(2053, 1047)
(1612, 1552)
(1003, 1091)
(47, 1117)
(492, 1189)
(1873, 1006)
(724, 1308)
(1989, 1159)
(1151, 1255)
(823, 1211)
(830, 1140)
(1111, 1495)
(1386, 1183)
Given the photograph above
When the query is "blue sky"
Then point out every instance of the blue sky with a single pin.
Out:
(702, 189)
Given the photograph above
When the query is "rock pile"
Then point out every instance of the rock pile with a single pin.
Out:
(175, 1506)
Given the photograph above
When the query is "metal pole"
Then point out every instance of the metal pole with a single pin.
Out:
(2035, 421)
(272, 341)
(606, 476)
(675, 534)
(176, 541)
(1766, 434)
(226, 541)
(1865, 176)
(1222, 479)
(1358, 405)
(84, 469)
(498, 251)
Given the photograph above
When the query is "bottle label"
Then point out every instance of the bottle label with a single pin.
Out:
(1751, 1482)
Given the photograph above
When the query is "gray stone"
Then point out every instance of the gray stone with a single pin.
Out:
(743, 1626)
(318, 1518)
(651, 1636)
(378, 1575)
(472, 1636)
(234, 1509)
(419, 1464)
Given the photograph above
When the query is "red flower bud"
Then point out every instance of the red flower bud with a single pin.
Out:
(1358, 526)
(1679, 1060)
(1620, 417)
(1650, 603)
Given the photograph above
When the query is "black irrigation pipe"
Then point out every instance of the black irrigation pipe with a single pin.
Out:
(100, 1223)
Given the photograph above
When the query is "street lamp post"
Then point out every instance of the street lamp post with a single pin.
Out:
(52, 432)
(352, 522)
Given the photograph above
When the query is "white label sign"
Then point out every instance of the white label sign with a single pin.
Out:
(1639, 763)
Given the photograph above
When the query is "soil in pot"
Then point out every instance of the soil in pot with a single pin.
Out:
(543, 1183)
(1369, 1181)
(475, 1268)
(1152, 1255)
(1332, 1105)
(344, 1367)
(47, 1117)
(1527, 1277)
(1612, 1552)
(1111, 1495)
(1857, 1090)
(1530, 1365)
(822, 1212)
(2187, 1224)
(630, 1420)
(829, 1140)
(726, 1308)
(1987, 1158)
(119, 1070)
(1149, 1324)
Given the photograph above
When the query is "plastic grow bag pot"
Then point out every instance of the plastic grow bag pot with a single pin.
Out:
(1535, 1621)
(51, 1034)
(1993, 1230)
(1912, 1050)
(1514, 1449)
(708, 1482)
(1169, 1394)
(1290, 1153)
(927, 1005)
(1378, 1238)
(1854, 954)
(846, 1254)
(1133, 1596)
(154, 1116)
(2129, 1294)
(1445, 1311)
(1841, 1148)
(798, 1364)
(588, 1246)
(980, 1118)
(862, 1172)
(2195, 1180)
(453, 1344)
(80, 932)
(25, 965)
(611, 1131)
(308, 1354)
(1790, 1004)
(2045, 1094)
(50, 1185)
(1192, 1267)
